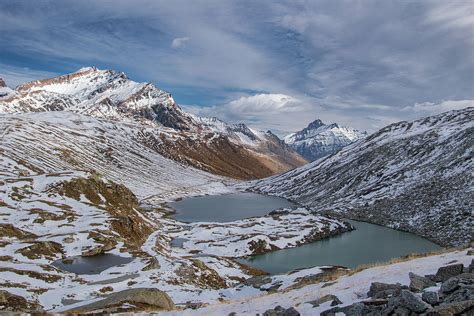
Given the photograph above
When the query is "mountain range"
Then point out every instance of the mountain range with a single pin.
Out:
(414, 176)
(209, 144)
(89, 161)
(318, 139)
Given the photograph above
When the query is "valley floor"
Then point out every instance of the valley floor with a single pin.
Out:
(80, 188)
(57, 216)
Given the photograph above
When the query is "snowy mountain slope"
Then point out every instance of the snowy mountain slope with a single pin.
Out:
(101, 93)
(71, 185)
(59, 141)
(415, 176)
(318, 139)
(208, 144)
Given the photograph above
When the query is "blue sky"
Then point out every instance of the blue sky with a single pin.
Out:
(272, 64)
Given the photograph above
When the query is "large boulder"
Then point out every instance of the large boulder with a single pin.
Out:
(413, 302)
(418, 282)
(378, 287)
(446, 272)
(152, 299)
(430, 297)
(456, 308)
(326, 298)
(454, 283)
(458, 288)
(281, 311)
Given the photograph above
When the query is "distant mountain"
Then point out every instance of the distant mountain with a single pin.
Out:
(414, 176)
(318, 139)
(5, 91)
(205, 143)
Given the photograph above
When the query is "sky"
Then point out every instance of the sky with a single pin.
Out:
(271, 64)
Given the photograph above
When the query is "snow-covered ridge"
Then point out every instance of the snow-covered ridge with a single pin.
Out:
(416, 176)
(318, 139)
(101, 93)
(204, 143)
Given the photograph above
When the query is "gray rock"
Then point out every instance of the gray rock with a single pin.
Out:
(387, 294)
(402, 311)
(455, 308)
(444, 273)
(432, 277)
(454, 283)
(375, 302)
(449, 285)
(470, 268)
(418, 282)
(258, 281)
(153, 298)
(358, 309)
(280, 311)
(413, 302)
(326, 298)
(464, 293)
(336, 301)
(430, 297)
(193, 305)
(377, 287)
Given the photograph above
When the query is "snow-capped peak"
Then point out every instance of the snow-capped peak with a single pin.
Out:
(5, 92)
(101, 93)
(318, 139)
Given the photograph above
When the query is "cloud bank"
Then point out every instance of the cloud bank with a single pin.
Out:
(282, 63)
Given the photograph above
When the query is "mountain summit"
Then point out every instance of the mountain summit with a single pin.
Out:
(318, 139)
(101, 93)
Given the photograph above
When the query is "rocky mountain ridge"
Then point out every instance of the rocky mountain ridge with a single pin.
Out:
(232, 150)
(414, 176)
(319, 140)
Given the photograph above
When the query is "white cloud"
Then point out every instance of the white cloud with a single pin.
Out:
(180, 42)
(430, 108)
(266, 103)
(14, 76)
(452, 14)
(263, 111)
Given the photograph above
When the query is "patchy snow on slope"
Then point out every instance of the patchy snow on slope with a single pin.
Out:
(284, 228)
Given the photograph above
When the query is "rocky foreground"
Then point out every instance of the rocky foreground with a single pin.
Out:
(440, 284)
(448, 292)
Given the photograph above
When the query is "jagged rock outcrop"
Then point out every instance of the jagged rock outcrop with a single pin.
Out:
(414, 176)
(318, 140)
